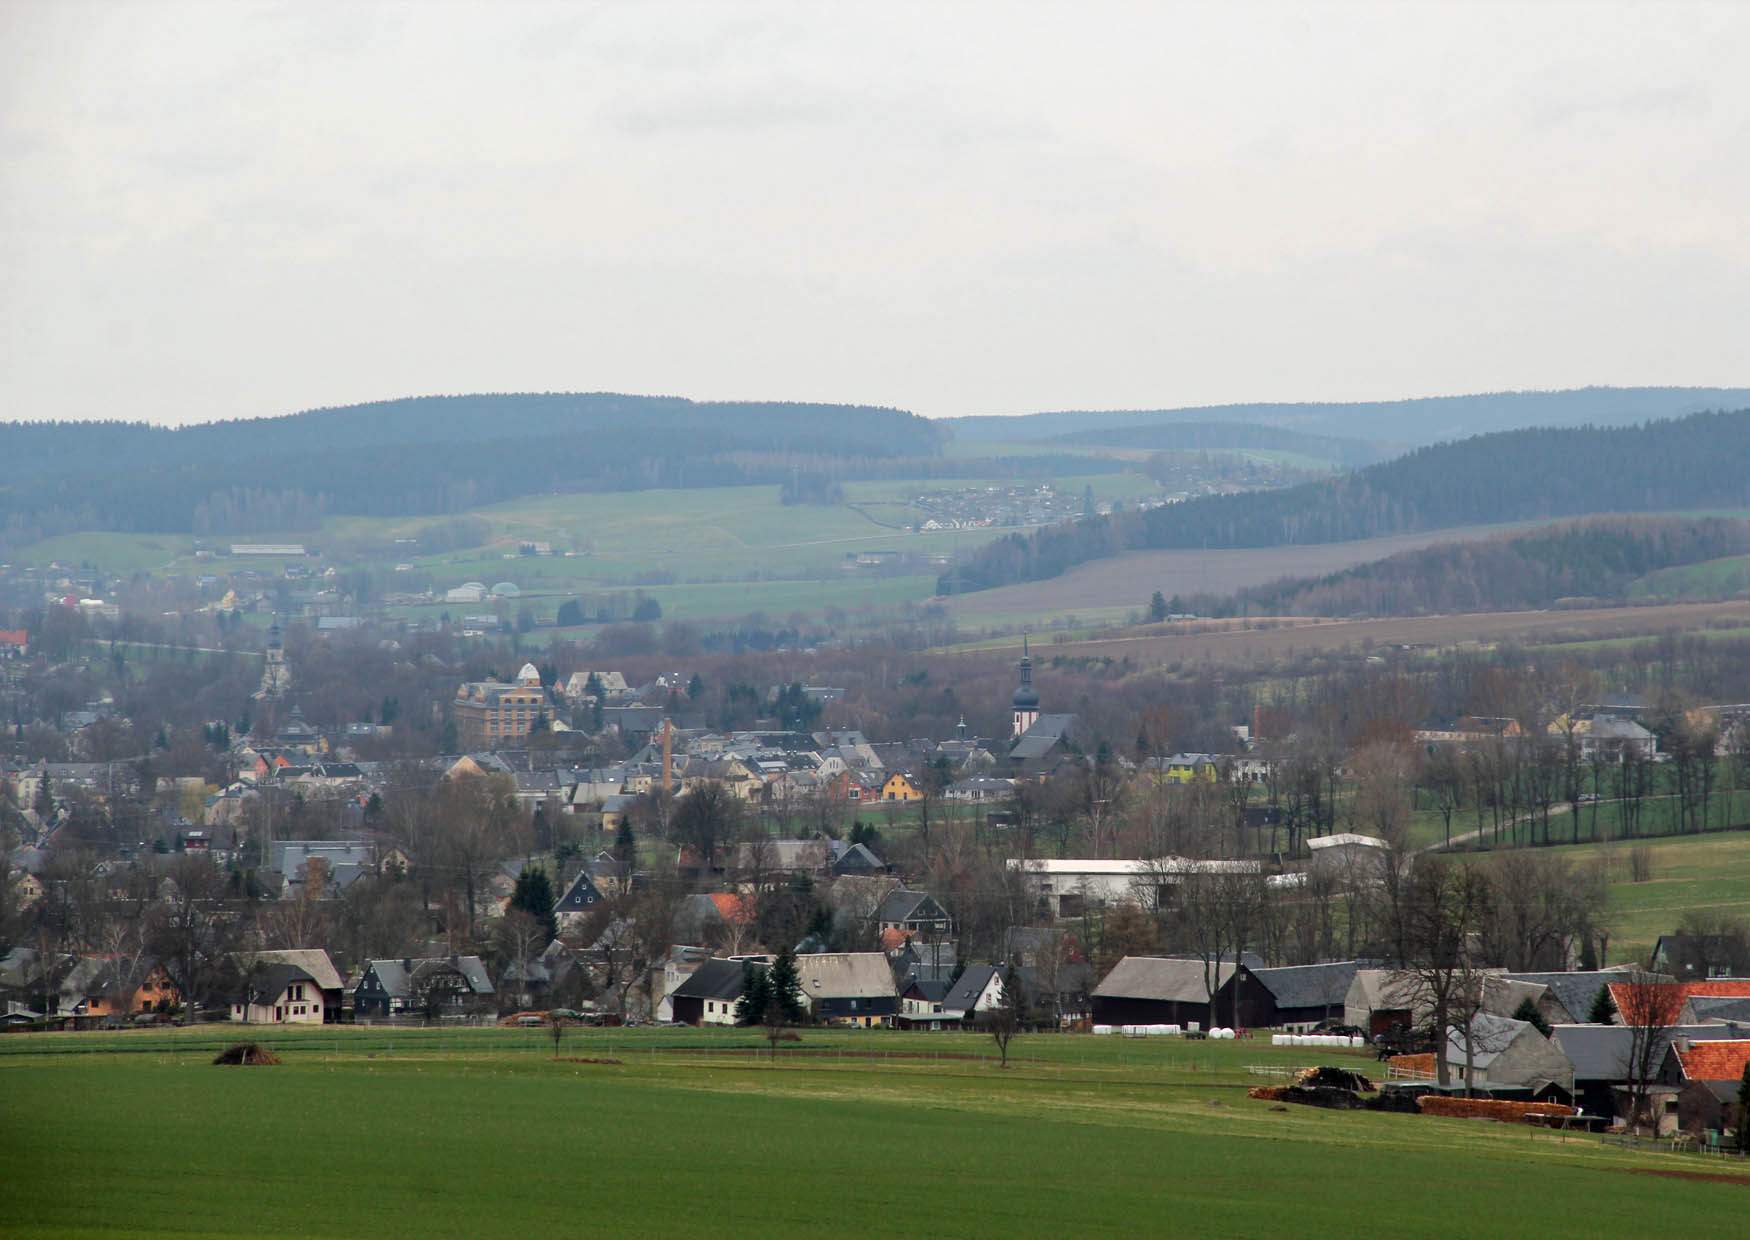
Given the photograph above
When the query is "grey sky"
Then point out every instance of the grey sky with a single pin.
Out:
(213, 210)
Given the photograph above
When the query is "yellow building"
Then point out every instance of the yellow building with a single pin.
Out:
(899, 787)
(488, 713)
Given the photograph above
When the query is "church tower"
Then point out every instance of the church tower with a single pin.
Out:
(1026, 700)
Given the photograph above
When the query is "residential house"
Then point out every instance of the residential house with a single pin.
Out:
(912, 914)
(1707, 1076)
(901, 786)
(981, 790)
(437, 986)
(848, 988)
(317, 964)
(856, 860)
(708, 996)
(1700, 957)
(100, 986)
(279, 994)
(580, 898)
(921, 1004)
(1602, 1056)
(978, 990)
(1184, 768)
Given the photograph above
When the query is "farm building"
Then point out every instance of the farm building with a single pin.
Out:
(1600, 1056)
(1500, 1052)
(848, 988)
(708, 997)
(1707, 1076)
(1306, 995)
(1149, 990)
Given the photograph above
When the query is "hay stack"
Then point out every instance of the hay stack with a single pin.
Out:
(246, 1053)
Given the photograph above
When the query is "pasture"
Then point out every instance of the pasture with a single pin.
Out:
(482, 1133)
(1709, 872)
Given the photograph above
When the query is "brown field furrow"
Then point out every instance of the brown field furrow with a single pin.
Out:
(1253, 645)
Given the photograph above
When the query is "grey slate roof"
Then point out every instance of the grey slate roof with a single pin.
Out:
(1709, 1008)
(929, 989)
(1040, 739)
(971, 985)
(1574, 991)
(902, 906)
(1162, 979)
(713, 979)
(1601, 1052)
(396, 979)
(1309, 985)
(582, 894)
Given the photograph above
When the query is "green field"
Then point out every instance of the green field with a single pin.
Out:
(1703, 872)
(703, 553)
(479, 1133)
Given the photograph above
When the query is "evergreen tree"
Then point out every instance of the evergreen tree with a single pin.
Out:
(1744, 1111)
(695, 688)
(785, 987)
(534, 896)
(1157, 607)
(44, 804)
(1527, 1012)
(1600, 1013)
(626, 849)
(756, 994)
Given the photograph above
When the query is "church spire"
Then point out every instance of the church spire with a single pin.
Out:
(1026, 699)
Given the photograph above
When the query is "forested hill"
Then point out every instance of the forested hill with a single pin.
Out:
(1597, 558)
(1422, 421)
(1693, 462)
(425, 455)
(1232, 436)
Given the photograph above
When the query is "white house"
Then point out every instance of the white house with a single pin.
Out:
(279, 994)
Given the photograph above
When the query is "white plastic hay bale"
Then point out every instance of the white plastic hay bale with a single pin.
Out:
(1279, 1039)
(1102, 1030)
(1355, 1041)
(1174, 1031)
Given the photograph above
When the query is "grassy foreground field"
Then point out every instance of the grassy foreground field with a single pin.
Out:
(479, 1133)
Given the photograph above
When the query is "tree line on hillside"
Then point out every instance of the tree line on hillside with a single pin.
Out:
(218, 481)
(1229, 437)
(1693, 462)
(1595, 559)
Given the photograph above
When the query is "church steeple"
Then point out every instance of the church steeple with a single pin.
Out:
(1026, 699)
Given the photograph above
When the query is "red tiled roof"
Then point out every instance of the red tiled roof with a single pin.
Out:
(1714, 1061)
(733, 907)
(14, 637)
(1680, 992)
(893, 938)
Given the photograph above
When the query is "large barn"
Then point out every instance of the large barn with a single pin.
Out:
(1162, 990)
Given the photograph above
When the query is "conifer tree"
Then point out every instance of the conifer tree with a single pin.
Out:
(534, 895)
(1600, 1013)
(1527, 1012)
(750, 1009)
(1744, 1111)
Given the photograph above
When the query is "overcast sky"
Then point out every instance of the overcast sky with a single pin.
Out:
(217, 210)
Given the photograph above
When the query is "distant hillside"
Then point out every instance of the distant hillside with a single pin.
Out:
(1600, 558)
(1694, 462)
(421, 455)
(1423, 421)
(1229, 437)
